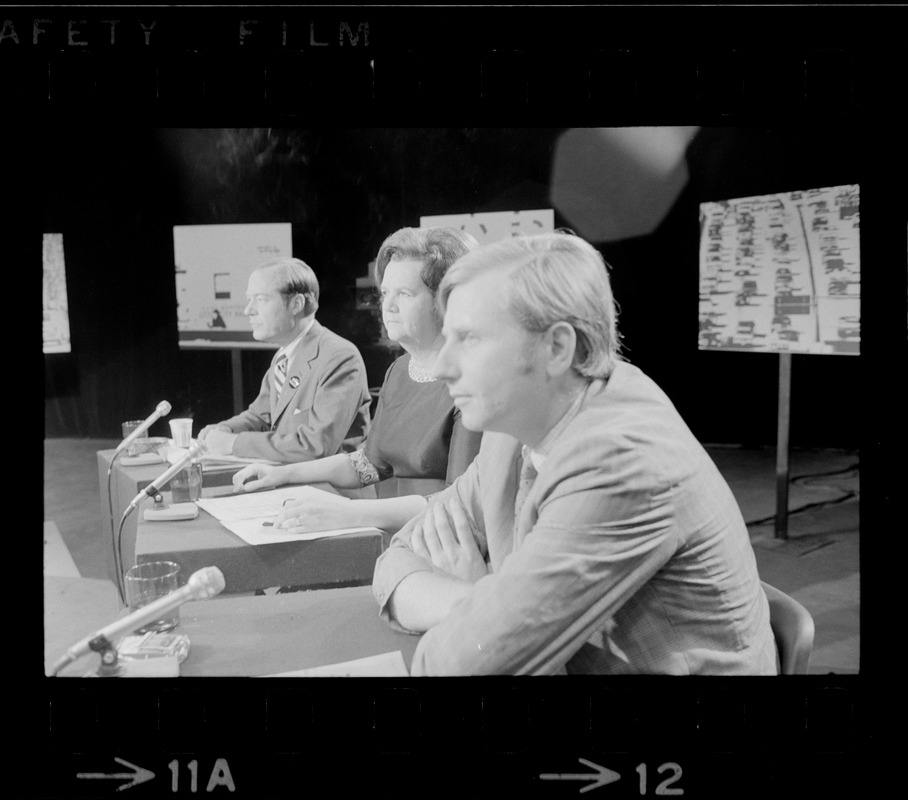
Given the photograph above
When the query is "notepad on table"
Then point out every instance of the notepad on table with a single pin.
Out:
(245, 515)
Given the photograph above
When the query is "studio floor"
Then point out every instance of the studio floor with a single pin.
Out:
(818, 563)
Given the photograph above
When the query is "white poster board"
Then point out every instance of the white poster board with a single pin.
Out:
(212, 266)
(56, 305)
(782, 273)
(490, 226)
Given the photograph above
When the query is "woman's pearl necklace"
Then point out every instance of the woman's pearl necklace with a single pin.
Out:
(419, 374)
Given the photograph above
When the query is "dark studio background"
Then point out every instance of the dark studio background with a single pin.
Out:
(116, 193)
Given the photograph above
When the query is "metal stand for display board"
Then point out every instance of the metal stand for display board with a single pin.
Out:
(236, 371)
(781, 526)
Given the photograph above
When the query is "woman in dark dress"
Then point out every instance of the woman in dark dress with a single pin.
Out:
(417, 444)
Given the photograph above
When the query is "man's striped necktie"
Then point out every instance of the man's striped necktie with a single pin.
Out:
(524, 483)
(280, 374)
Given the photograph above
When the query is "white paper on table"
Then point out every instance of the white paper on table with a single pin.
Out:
(252, 531)
(244, 514)
(386, 665)
(212, 460)
(251, 505)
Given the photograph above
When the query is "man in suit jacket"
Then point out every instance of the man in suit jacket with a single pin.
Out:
(314, 400)
(592, 533)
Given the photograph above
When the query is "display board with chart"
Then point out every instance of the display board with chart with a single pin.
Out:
(782, 273)
(56, 306)
(490, 226)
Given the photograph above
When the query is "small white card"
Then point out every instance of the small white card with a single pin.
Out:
(385, 665)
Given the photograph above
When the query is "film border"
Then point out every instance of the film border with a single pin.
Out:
(216, 68)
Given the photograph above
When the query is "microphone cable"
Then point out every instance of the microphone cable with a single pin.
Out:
(118, 554)
(114, 538)
(810, 481)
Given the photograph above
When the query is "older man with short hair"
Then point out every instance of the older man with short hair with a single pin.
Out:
(592, 534)
(314, 399)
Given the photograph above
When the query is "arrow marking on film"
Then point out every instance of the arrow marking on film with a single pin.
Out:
(138, 775)
(601, 777)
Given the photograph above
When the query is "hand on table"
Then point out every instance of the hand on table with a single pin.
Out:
(316, 510)
(259, 476)
(202, 435)
(445, 538)
(219, 440)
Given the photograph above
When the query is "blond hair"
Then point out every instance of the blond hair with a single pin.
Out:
(552, 277)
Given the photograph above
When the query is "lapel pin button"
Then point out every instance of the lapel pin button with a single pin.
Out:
(294, 382)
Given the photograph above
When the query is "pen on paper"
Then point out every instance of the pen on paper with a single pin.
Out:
(271, 524)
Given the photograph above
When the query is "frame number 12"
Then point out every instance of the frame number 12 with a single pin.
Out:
(665, 785)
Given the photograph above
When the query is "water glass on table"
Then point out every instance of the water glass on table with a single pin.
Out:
(127, 428)
(148, 582)
(181, 432)
(186, 485)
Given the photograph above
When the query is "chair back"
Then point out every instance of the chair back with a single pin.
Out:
(793, 629)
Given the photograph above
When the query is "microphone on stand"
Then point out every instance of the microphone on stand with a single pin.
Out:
(202, 584)
(162, 410)
(153, 489)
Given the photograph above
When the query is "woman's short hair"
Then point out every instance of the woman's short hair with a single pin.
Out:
(438, 248)
(552, 277)
(294, 276)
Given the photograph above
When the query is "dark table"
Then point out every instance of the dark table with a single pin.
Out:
(340, 561)
(332, 562)
(234, 636)
(125, 483)
(283, 632)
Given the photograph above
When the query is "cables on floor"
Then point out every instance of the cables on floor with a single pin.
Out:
(810, 482)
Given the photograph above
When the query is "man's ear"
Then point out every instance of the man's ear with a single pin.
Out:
(300, 301)
(561, 343)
